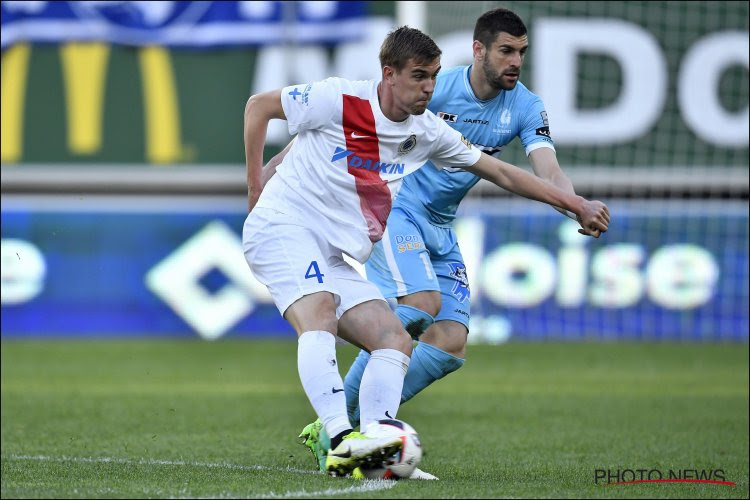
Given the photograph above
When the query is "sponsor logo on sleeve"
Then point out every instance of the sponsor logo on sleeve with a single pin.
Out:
(304, 96)
(449, 117)
(543, 131)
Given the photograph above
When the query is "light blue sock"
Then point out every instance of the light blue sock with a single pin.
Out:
(415, 320)
(428, 364)
(351, 386)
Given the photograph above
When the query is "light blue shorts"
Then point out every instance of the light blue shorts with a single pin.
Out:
(415, 256)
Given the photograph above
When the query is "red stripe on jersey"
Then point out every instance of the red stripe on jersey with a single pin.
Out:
(362, 140)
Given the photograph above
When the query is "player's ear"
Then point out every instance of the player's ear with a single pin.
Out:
(478, 49)
(388, 74)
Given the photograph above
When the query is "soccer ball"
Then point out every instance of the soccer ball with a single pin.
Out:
(403, 463)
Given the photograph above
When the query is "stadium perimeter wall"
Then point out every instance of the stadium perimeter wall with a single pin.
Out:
(102, 266)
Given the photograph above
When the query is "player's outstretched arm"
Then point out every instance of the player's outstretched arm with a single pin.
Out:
(545, 165)
(259, 110)
(593, 215)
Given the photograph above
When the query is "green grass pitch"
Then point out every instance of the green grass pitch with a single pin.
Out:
(184, 419)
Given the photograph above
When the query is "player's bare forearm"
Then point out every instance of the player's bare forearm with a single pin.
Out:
(544, 162)
(522, 183)
(259, 110)
(594, 215)
(255, 137)
(561, 181)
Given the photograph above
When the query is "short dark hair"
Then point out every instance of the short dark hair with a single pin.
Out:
(494, 21)
(405, 43)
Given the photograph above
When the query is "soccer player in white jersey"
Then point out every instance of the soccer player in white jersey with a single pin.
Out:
(331, 196)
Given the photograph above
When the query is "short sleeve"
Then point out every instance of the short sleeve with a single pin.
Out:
(535, 132)
(310, 105)
(451, 149)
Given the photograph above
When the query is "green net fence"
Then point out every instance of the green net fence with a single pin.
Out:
(679, 70)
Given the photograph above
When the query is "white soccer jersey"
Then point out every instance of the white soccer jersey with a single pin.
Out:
(348, 160)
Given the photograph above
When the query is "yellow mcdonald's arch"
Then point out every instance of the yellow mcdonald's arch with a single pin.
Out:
(163, 143)
(84, 67)
(13, 96)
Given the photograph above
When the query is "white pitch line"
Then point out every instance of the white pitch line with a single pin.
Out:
(365, 487)
(368, 486)
(149, 461)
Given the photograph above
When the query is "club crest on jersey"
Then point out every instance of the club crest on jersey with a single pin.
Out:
(449, 117)
(466, 141)
(504, 123)
(461, 286)
(407, 145)
(505, 117)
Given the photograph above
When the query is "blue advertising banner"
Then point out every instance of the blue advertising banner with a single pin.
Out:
(183, 23)
(666, 270)
(87, 266)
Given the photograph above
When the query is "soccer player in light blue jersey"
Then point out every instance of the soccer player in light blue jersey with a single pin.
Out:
(418, 261)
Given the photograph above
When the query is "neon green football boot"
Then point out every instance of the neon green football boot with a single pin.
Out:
(357, 449)
(315, 437)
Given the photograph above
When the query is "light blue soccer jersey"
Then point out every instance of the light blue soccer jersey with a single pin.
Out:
(490, 125)
(419, 250)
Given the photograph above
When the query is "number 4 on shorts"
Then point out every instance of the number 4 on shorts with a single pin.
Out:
(313, 271)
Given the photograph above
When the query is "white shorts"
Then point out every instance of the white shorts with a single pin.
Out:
(293, 261)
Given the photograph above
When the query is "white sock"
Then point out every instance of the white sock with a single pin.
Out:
(380, 389)
(319, 373)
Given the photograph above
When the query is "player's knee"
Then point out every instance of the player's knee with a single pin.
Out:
(324, 319)
(313, 312)
(405, 342)
(448, 336)
(458, 345)
(427, 301)
(385, 332)
(396, 339)
(322, 323)
(455, 348)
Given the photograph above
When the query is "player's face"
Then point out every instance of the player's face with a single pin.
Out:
(414, 85)
(503, 60)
